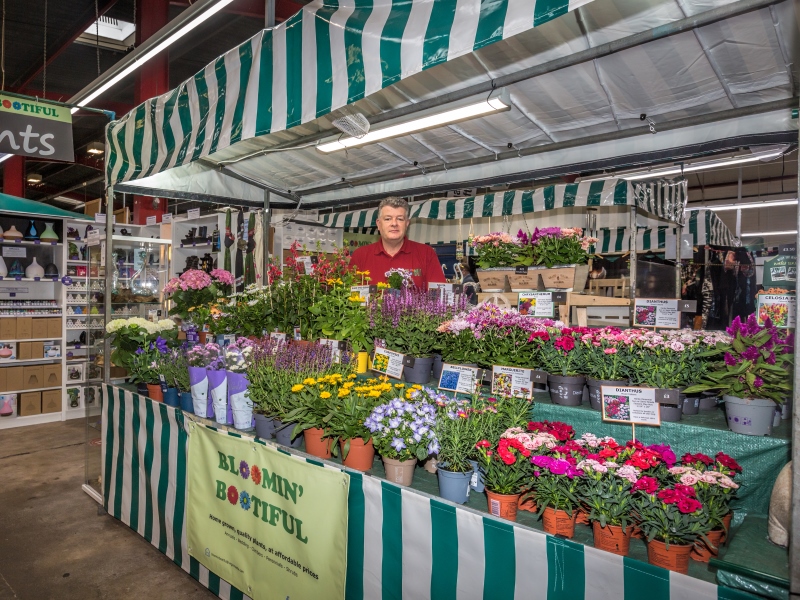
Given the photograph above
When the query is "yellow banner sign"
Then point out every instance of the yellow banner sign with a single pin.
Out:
(270, 524)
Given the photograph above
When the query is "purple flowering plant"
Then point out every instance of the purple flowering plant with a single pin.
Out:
(207, 356)
(403, 429)
(755, 363)
(556, 478)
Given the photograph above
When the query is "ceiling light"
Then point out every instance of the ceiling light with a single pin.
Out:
(5, 157)
(139, 61)
(761, 233)
(712, 164)
(95, 148)
(745, 205)
(470, 111)
(34, 178)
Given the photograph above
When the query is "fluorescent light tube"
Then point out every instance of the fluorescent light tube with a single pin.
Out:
(689, 168)
(437, 120)
(5, 157)
(745, 205)
(762, 233)
(152, 52)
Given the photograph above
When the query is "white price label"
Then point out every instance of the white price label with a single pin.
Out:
(151, 220)
(14, 252)
(388, 362)
(634, 405)
(512, 381)
(458, 378)
(166, 218)
(193, 214)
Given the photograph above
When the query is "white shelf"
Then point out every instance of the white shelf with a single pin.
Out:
(27, 315)
(9, 422)
(44, 389)
(47, 339)
(28, 361)
(30, 243)
(39, 279)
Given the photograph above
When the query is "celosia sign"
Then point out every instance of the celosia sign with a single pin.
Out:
(635, 405)
(272, 525)
(778, 308)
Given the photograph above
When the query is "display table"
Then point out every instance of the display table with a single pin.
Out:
(402, 542)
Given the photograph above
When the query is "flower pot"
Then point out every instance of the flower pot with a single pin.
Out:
(316, 445)
(265, 426)
(141, 389)
(527, 502)
(186, 402)
(476, 481)
(171, 397)
(673, 412)
(198, 383)
(437, 366)
(400, 472)
(494, 279)
(702, 552)
(674, 557)
(726, 527)
(363, 362)
(691, 405)
(420, 372)
(595, 397)
(776, 418)
(786, 408)
(566, 390)
(563, 277)
(581, 517)
(154, 392)
(558, 522)
(503, 505)
(283, 434)
(708, 400)
(360, 456)
(201, 336)
(454, 486)
(218, 389)
(612, 538)
(750, 416)
(239, 403)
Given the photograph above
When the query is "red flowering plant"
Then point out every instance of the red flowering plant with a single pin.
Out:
(561, 431)
(712, 482)
(506, 467)
(671, 514)
(563, 354)
(654, 460)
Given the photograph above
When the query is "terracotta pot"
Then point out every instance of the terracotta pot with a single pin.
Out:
(674, 558)
(503, 505)
(527, 503)
(360, 456)
(201, 336)
(726, 522)
(399, 471)
(559, 522)
(637, 533)
(316, 445)
(612, 538)
(154, 392)
(702, 552)
(581, 517)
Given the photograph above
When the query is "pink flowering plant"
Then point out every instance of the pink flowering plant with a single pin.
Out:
(195, 288)
(499, 249)
(753, 364)
(505, 463)
(557, 245)
(712, 481)
(607, 353)
(564, 354)
(671, 514)
(667, 360)
(557, 477)
(206, 356)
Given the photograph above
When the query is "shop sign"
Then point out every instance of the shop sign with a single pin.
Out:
(32, 127)
(458, 378)
(634, 405)
(778, 308)
(781, 272)
(270, 524)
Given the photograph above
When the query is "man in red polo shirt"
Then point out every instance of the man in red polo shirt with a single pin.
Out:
(395, 251)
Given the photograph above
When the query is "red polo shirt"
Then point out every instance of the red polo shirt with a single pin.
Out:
(420, 259)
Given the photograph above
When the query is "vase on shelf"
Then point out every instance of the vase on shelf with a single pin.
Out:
(3, 268)
(51, 270)
(49, 234)
(16, 269)
(12, 234)
(30, 232)
(34, 270)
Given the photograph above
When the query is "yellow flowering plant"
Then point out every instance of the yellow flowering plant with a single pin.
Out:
(338, 314)
(309, 400)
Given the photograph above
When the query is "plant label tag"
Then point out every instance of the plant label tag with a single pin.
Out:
(308, 264)
(536, 304)
(14, 252)
(364, 291)
(166, 218)
(447, 291)
(657, 312)
(335, 346)
(666, 396)
(163, 382)
(539, 376)
(778, 308)
(297, 334)
(520, 270)
(388, 362)
(228, 339)
(634, 405)
(512, 381)
(151, 220)
(193, 214)
(458, 378)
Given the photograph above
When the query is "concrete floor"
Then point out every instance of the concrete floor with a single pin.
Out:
(54, 542)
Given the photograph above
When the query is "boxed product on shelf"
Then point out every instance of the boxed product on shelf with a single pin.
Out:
(24, 350)
(30, 403)
(51, 349)
(8, 351)
(53, 327)
(37, 350)
(51, 375)
(74, 395)
(32, 377)
(14, 378)
(8, 405)
(8, 328)
(24, 327)
(39, 328)
(75, 372)
(51, 401)
(3, 380)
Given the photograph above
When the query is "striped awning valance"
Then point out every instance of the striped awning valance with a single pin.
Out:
(328, 55)
(665, 200)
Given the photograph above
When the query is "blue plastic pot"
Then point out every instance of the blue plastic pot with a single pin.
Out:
(171, 398)
(187, 404)
(454, 486)
(283, 434)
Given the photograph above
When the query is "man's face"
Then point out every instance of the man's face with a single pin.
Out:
(392, 223)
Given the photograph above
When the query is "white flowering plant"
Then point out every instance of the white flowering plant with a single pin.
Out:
(130, 335)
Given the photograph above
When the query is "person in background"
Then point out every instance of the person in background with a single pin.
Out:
(470, 279)
(395, 251)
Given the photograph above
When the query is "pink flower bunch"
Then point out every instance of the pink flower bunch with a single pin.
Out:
(531, 441)
(691, 477)
(490, 316)
(193, 279)
(493, 239)
(222, 276)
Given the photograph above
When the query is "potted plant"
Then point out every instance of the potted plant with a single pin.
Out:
(457, 431)
(751, 375)
(144, 371)
(496, 254)
(671, 518)
(200, 358)
(606, 360)
(564, 359)
(196, 288)
(403, 433)
(561, 254)
(130, 335)
(338, 314)
(556, 478)
(506, 469)
(237, 358)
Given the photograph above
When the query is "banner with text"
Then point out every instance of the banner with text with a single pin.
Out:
(268, 523)
(33, 127)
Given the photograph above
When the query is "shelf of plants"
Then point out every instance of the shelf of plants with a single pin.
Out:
(676, 497)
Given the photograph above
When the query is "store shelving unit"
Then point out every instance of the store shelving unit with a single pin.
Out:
(182, 250)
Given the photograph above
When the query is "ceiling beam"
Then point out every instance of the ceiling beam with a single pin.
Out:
(118, 108)
(62, 42)
(255, 8)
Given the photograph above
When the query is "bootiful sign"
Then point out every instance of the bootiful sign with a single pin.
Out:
(32, 127)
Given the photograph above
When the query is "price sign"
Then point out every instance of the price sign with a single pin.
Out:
(336, 347)
(536, 304)
(634, 405)
(655, 312)
(363, 291)
(166, 218)
(447, 291)
(14, 251)
(388, 362)
(151, 220)
(512, 381)
(193, 214)
(277, 337)
(458, 378)
(778, 308)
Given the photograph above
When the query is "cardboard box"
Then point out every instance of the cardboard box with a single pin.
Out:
(14, 379)
(8, 328)
(37, 349)
(51, 375)
(39, 328)
(24, 350)
(92, 207)
(30, 403)
(3, 382)
(24, 327)
(51, 401)
(54, 327)
(32, 377)
(51, 350)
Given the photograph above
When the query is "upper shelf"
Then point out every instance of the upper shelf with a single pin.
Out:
(22, 242)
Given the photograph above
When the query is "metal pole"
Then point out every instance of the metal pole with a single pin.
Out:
(269, 13)
(107, 281)
(794, 537)
(265, 238)
(633, 264)
(678, 245)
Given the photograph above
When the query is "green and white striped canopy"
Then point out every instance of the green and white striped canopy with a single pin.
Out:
(665, 200)
(328, 55)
